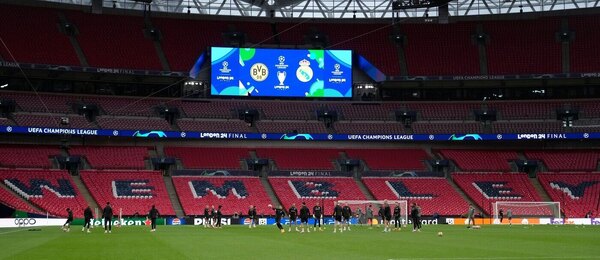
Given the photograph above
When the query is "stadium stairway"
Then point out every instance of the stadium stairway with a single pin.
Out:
(13, 193)
(364, 189)
(173, 197)
(85, 192)
(540, 190)
(269, 189)
(464, 196)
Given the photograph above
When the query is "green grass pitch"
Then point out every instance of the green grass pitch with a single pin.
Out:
(265, 242)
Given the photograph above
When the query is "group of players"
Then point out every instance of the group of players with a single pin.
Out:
(212, 217)
(107, 216)
(342, 214)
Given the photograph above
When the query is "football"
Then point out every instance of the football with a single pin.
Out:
(440, 234)
(270, 206)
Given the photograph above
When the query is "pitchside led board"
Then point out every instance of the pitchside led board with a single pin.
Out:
(281, 72)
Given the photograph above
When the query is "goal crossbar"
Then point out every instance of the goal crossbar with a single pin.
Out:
(528, 208)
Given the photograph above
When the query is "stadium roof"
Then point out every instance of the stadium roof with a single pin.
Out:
(364, 9)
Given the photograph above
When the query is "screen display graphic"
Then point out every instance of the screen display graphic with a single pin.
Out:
(281, 72)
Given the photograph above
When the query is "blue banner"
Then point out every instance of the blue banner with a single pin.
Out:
(302, 137)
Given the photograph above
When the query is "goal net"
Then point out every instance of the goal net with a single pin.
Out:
(359, 209)
(525, 209)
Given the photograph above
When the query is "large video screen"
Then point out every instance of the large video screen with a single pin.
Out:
(281, 72)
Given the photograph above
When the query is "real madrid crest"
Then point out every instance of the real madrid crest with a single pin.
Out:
(304, 73)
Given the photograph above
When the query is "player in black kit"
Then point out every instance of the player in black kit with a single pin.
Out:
(337, 215)
(304, 214)
(279, 213)
(317, 214)
(87, 215)
(107, 214)
(387, 216)
(206, 217)
(67, 226)
(346, 215)
(218, 216)
(397, 221)
(293, 216)
(252, 216)
(153, 214)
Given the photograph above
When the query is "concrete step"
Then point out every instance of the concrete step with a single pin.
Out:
(269, 189)
(173, 196)
(364, 189)
(85, 192)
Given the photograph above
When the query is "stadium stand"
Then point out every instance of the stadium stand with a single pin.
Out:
(280, 110)
(51, 190)
(300, 159)
(325, 190)
(53, 120)
(30, 102)
(567, 160)
(481, 160)
(390, 159)
(450, 127)
(528, 127)
(487, 188)
(126, 106)
(235, 194)
(583, 48)
(425, 57)
(291, 126)
(132, 191)
(97, 34)
(208, 157)
(434, 195)
(222, 109)
(133, 123)
(511, 51)
(577, 192)
(8, 199)
(112, 157)
(24, 43)
(27, 156)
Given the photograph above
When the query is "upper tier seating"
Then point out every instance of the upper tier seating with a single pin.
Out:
(291, 126)
(578, 193)
(235, 194)
(133, 123)
(486, 188)
(230, 126)
(315, 190)
(51, 190)
(300, 159)
(390, 159)
(370, 128)
(208, 157)
(27, 156)
(567, 160)
(36, 40)
(434, 195)
(100, 35)
(112, 157)
(53, 120)
(130, 191)
(481, 160)
(583, 48)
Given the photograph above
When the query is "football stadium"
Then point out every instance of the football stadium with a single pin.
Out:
(299, 129)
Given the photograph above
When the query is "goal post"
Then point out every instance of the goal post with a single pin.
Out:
(520, 209)
(364, 204)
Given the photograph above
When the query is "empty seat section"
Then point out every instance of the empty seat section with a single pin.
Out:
(27, 156)
(486, 188)
(434, 195)
(578, 193)
(220, 126)
(300, 159)
(51, 190)
(291, 127)
(312, 190)
(481, 160)
(112, 157)
(235, 194)
(208, 157)
(129, 192)
(567, 160)
(133, 123)
(391, 159)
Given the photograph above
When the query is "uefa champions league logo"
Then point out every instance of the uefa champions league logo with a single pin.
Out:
(337, 71)
(9, 129)
(281, 64)
(225, 68)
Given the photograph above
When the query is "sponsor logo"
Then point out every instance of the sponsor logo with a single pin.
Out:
(25, 222)
(159, 134)
(455, 137)
(296, 137)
